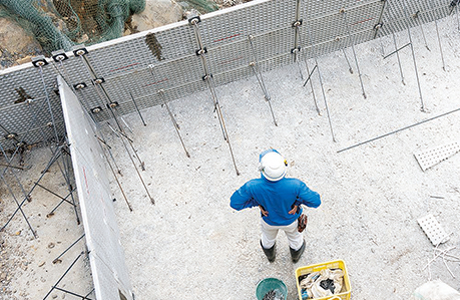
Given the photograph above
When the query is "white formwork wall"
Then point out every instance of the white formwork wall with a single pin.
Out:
(107, 261)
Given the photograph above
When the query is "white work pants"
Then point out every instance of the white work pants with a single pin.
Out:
(270, 232)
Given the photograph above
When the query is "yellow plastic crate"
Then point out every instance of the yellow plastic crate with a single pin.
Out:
(336, 264)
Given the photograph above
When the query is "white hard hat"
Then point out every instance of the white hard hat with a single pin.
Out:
(272, 165)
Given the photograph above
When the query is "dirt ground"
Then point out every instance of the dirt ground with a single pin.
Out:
(192, 245)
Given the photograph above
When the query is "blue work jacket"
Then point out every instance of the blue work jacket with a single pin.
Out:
(276, 197)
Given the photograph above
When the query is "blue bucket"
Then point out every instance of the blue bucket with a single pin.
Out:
(271, 284)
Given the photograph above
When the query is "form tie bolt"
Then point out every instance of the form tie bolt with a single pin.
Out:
(252, 64)
(98, 81)
(96, 110)
(337, 39)
(40, 63)
(79, 86)
(250, 37)
(20, 144)
(11, 136)
(60, 57)
(29, 101)
(80, 52)
(49, 124)
(342, 10)
(194, 22)
(113, 105)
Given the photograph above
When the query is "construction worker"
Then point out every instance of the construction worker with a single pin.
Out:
(279, 199)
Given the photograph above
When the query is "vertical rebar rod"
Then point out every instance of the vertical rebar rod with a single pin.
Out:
(296, 25)
(49, 103)
(413, 56)
(255, 68)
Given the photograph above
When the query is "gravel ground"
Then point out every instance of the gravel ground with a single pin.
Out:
(192, 245)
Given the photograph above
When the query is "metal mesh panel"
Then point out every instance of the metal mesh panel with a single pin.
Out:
(101, 231)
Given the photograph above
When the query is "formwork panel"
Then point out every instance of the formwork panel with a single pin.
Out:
(101, 232)
(261, 17)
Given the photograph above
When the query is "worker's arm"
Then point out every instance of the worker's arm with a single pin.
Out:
(242, 199)
(308, 197)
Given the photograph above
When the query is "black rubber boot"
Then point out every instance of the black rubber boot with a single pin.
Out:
(270, 253)
(297, 254)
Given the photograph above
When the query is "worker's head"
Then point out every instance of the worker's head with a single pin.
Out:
(272, 165)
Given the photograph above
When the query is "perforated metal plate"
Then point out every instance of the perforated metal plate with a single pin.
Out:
(431, 157)
(433, 230)
(101, 231)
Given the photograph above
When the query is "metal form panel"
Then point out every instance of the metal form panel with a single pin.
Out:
(110, 275)
(431, 157)
(327, 26)
(433, 230)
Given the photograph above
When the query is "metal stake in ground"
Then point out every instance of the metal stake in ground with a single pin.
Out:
(173, 120)
(439, 39)
(161, 95)
(27, 197)
(398, 130)
(137, 109)
(210, 83)
(255, 68)
(413, 55)
(309, 34)
(416, 17)
(65, 273)
(58, 259)
(19, 206)
(113, 171)
(343, 12)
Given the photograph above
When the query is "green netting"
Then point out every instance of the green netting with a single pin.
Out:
(60, 24)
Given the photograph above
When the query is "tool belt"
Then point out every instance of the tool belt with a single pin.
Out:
(302, 222)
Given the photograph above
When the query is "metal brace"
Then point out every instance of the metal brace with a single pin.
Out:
(59, 55)
(96, 110)
(206, 77)
(11, 136)
(39, 61)
(79, 50)
(79, 86)
(378, 26)
(112, 105)
(297, 23)
(194, 20)
(296, 50)
(98, 80)
(201, 51)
